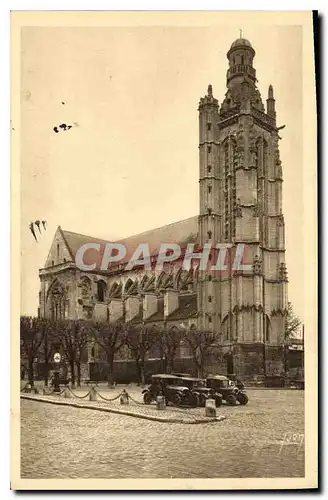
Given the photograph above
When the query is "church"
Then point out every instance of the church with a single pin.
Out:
(240, 202)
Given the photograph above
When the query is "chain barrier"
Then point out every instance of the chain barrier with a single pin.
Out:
(76, 396)
(178, 408)
(109, 399)
(133, 400)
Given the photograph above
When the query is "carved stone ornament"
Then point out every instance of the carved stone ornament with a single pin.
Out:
(281, 220)
(257, 265)
(257, 212)
(238, 209)
(283, 275)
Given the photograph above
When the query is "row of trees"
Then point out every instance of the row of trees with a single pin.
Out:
(41, 337)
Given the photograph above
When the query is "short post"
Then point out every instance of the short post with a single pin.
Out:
(93, 394)
(160, 403)
(56, 382)
(67, 393)
(210, 408)
(124, 399)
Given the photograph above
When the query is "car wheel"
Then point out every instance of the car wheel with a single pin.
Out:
(194, 400)
(231, 400)
(176, 399)
(243, 398)
(147, 398)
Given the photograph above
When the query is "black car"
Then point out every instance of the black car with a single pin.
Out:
(201, 391)
(172, 388)
(228, 389)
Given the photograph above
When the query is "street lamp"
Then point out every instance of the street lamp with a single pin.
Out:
(57, 359)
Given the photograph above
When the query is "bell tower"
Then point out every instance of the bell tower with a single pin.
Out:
(241, 203)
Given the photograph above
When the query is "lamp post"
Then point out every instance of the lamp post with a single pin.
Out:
(57, 359)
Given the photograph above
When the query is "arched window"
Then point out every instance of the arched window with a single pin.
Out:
(101, 290)
(226, 191)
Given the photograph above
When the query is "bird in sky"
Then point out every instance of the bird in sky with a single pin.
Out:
(33, 231)
(37, 223)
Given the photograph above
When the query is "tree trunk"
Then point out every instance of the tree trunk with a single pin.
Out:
(30, 371)
(78, 369)
(110, 369)
(72, 374)
(142, 372)
(46, 374)
(138, 371)
(169, 364)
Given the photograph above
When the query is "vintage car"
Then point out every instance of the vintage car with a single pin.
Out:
(227, 388)
(198, 387)
(172, 388)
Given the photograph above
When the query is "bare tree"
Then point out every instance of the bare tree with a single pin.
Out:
(31, 338)
(48, 335)
(73, 336)
(201, 344)
(293, 322)
(111, 339)
(169, 341)
(139, 341)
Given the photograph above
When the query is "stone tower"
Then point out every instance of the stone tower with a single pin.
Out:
(241, 202)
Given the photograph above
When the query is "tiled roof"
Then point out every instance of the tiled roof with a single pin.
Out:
(182, 232)
(159, 315)
(187, 308)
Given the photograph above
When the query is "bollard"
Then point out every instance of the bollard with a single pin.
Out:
(67, 393)
(28, 387)
(93, 394)
(124, 399)
(160, 403)
(210, 408)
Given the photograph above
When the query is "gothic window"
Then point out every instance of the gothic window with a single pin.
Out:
(209, 234)
(209, 126)
(86, 287)
(209, 277)
(92, 352)
(209, 189)
(57, 250)
(210, 298)
(209, 168)
(226, 190)
(64, 260)
(101, 290)
(267, 330)
(57, 301)
(209, 148)
(52, 262)
(233, 186)
(210, 319)
(209, 211)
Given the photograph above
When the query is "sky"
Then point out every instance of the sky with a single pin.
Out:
(130, 162)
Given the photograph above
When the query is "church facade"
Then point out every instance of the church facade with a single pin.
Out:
(240, 202)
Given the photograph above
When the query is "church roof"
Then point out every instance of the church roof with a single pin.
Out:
(181, 232)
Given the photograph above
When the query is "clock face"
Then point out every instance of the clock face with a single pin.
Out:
(57, 357)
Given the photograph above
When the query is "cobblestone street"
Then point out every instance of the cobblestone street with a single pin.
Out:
(66, 442)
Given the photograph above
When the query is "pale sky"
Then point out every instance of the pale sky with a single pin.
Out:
(131, 164)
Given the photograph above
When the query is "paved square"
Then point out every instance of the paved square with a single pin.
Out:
(65, 442)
